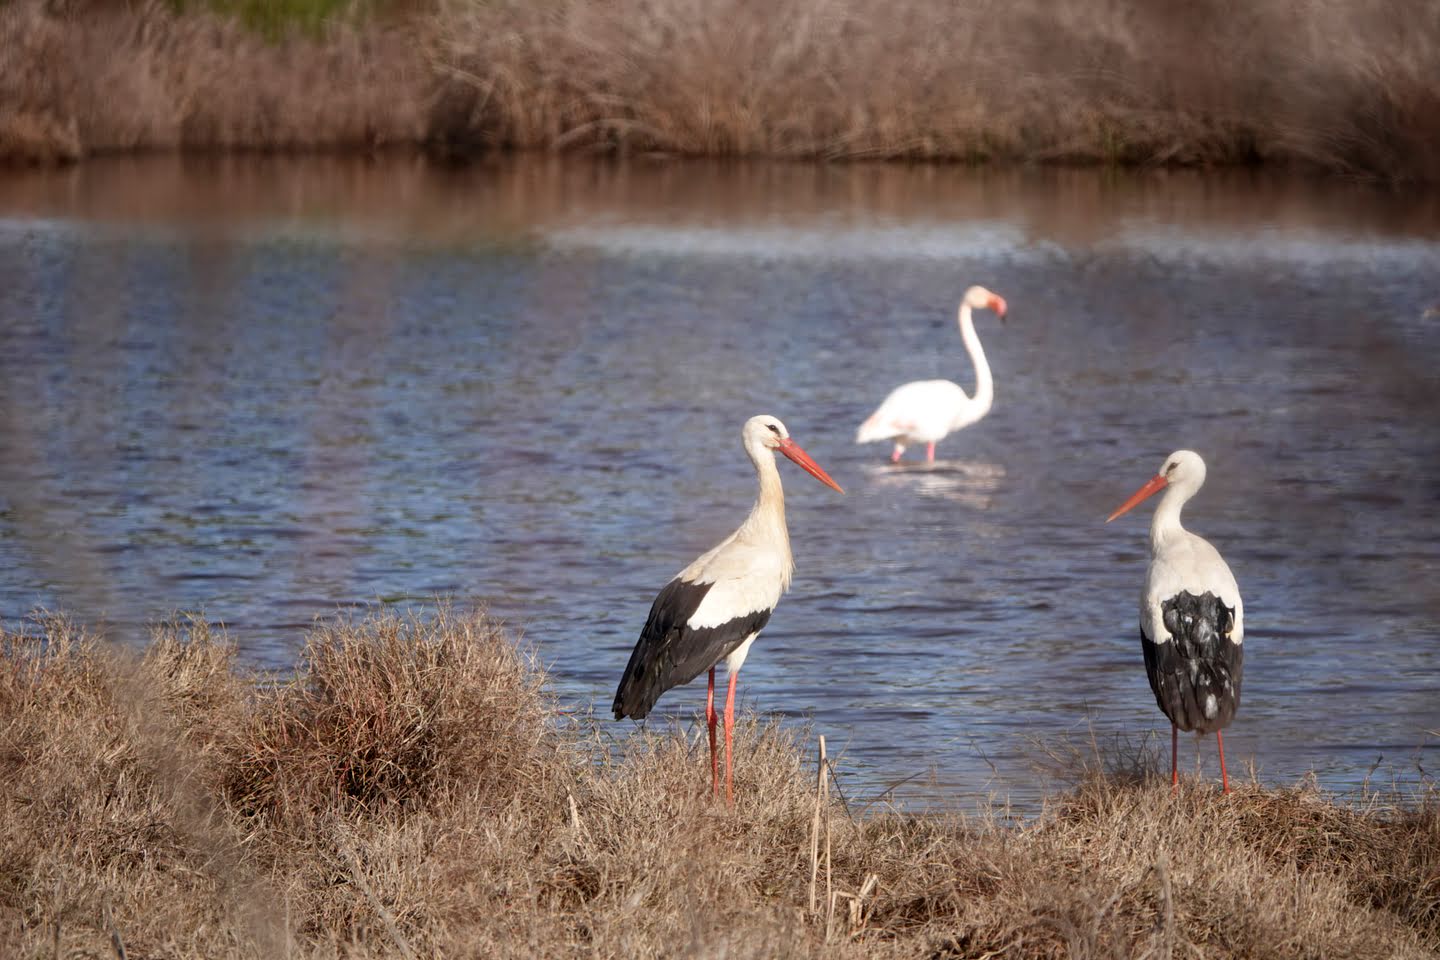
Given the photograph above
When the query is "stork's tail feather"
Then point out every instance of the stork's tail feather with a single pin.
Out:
(638, 691)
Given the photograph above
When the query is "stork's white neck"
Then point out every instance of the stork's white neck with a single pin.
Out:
(984, 385)
(1165, 527)
(766, 523)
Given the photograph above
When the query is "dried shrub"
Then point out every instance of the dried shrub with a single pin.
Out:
(388, 712)
(106, 832)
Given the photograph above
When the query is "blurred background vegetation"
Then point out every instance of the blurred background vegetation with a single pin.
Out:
(1346, 86)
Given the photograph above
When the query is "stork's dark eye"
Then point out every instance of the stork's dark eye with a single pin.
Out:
(1170, 467)
(773, 429)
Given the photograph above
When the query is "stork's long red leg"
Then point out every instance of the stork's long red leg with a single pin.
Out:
(710, 719)
(929, 453)
(1224, 777)
(1174, 761)
(730, 725)
(895, 454)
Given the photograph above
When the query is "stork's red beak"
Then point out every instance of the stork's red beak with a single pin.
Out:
(792, 450)
(1156, 482)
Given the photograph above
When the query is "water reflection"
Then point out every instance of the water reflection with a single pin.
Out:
(733, 207)
(269, 389)
(970, 484)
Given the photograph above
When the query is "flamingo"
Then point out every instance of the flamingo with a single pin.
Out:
(715, 608)
(927, 411)
(1192, 621)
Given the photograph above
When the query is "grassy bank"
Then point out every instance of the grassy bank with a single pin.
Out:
(411, 792)
(1341, 85)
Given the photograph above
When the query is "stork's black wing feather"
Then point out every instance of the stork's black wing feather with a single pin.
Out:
(1196, 673)
(671, 652)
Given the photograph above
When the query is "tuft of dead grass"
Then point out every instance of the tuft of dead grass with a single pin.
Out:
(1340, 85)
(413, 791)
(105, 836)
(394, 713)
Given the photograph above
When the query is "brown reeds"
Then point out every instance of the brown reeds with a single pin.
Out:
(1340, 85)
(90, 77)
(1345, 84)
(411, 791)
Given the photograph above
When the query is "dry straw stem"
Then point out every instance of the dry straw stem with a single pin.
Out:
(1343, 85)
(413, 791)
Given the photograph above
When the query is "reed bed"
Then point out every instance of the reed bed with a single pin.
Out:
(412, 791)
(90, 77)
(1345, 86)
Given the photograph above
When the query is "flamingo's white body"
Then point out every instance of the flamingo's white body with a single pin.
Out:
(715, 608)
(927, 411)
(1192, 619)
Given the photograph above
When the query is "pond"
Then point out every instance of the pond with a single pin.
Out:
(272, 389)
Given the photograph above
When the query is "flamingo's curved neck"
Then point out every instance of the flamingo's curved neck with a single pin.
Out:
(1165, 526)
(984, 385)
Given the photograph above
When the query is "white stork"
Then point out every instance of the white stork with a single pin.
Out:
(926, 411)
(1192, 622)
(715, 608)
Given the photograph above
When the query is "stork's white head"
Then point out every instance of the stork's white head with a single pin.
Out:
(767, 433)
(1183, 470)
(978, 298)
(764, 431)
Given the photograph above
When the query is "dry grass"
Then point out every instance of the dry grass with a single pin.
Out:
(91, 77)
(1341, 85)
(411, 792)
(1345, 84)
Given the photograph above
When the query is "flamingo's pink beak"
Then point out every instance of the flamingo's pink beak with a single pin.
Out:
(997, 304)
(1156, 482)
(793, 450)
